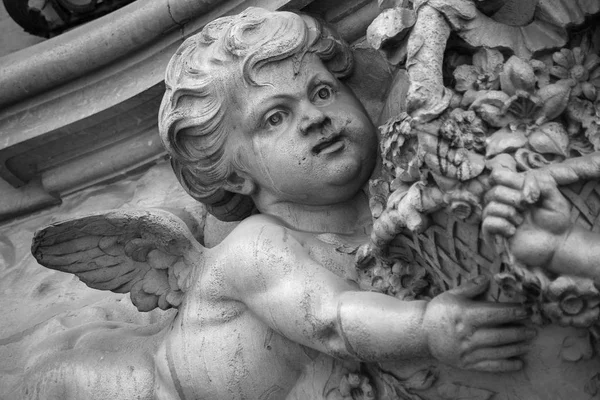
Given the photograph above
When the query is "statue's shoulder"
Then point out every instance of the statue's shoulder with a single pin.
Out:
(256, 226)
(259, 235)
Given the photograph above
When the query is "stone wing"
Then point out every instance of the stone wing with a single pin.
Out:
(147, 252)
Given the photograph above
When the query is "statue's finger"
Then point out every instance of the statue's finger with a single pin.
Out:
(503, 210)
(497, 226)
(472, 288)
(496, 353)
(531, 188)
(504, 194)
(493, 314)
(507, 178)
(502, 336)
(550, 193)
(497, 366)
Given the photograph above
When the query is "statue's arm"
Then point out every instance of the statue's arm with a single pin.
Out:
(274, 275)
(276, 278)
(579, 254)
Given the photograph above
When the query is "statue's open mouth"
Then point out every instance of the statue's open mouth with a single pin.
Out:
(329, 144)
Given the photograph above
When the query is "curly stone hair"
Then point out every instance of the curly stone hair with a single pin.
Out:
(194, 106)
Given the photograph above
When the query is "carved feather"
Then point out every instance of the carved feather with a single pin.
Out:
(147, 252)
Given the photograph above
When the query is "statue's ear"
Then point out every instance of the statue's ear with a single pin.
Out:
(240, 182)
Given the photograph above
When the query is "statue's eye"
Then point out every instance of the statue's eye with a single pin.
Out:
(324, 93)
(275, 119)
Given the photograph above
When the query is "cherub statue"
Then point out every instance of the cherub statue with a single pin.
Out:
(261, 128)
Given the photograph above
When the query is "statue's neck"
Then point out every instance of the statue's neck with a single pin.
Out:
(349, 217)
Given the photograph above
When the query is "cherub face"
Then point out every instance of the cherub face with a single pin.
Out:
(303, 137)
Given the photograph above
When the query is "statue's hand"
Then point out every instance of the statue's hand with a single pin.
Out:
(473, 335)
(529, 209)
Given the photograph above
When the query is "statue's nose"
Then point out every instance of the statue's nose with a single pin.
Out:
(313, 119)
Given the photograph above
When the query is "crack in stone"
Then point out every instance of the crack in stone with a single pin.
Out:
(179, 24)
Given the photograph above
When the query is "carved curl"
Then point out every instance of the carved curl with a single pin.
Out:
(193, 110)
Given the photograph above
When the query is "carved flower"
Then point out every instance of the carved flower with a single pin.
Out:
(484, 74)
(572, 302)
(379, 191)
(580, 70)
(356, 386)
(510, 285)
(521, 100)
(464, 129)
(410, 282)
(399, 151)
(583, 113)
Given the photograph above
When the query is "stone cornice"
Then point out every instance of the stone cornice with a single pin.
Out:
(53, 62)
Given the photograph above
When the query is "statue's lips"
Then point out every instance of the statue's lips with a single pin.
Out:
(329, 144)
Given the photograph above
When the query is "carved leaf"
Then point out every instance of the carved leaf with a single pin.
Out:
(509, 285)
(455, 163)
(542, 72)
(564, 58)
(503, 162)
(411, 174)
(595, 77)
(504, 141)
(392, 24)
(345, 249)
(457, 11)
(583, 112)
(591, 62)
(465, 76)
(489, 7)
(421, 380)
(453, 391)
(490, 107)
(575, 348)
(393, 387)
(488, 60)
(379, 191)
(580, 111)
(516, 75)
(589, 91)
(425, 108)
(593, 135)
(581, 146)
(555, 98)
(527, 159)
(550, 138)
(592, 387)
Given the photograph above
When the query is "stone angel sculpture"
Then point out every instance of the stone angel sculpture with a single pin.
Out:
(261, 128)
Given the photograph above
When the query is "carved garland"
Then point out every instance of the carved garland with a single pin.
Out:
(492, 84)
(531, 102)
